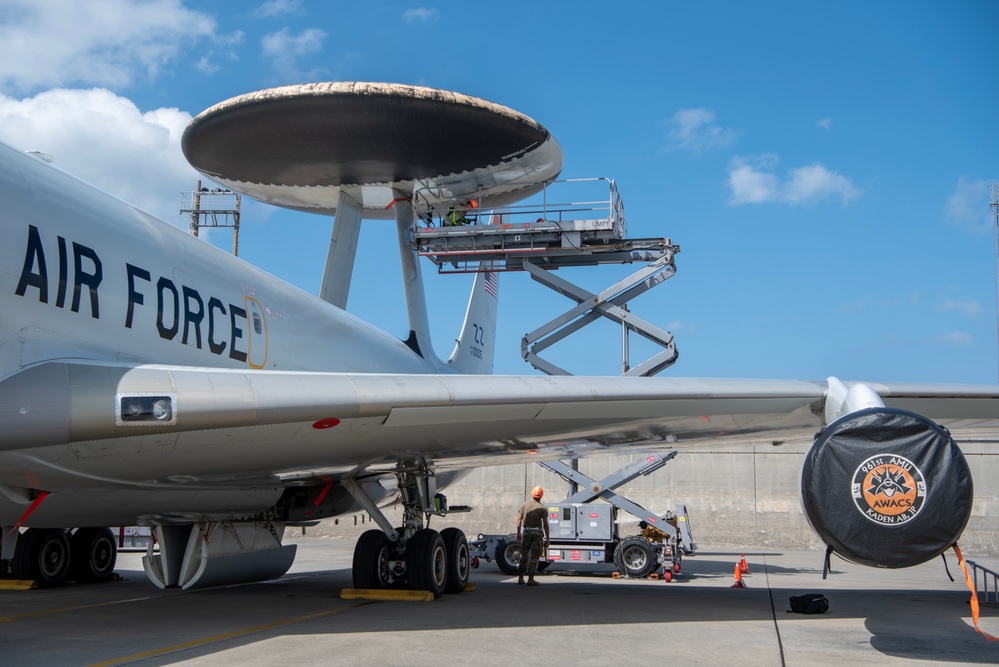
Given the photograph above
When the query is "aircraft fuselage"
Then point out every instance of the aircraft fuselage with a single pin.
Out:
(77, 260)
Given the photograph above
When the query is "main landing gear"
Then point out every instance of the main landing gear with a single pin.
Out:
(413, 555)
(49, 555)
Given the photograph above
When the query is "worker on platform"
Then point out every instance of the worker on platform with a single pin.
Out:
(533, 516)
(458, 215)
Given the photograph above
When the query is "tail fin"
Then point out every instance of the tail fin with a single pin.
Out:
(475, 349)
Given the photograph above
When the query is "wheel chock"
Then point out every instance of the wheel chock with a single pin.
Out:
(615, 575)
(18, 584)
(654, 576)
(386, 594)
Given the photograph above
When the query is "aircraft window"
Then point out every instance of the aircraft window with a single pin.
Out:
(257, 326)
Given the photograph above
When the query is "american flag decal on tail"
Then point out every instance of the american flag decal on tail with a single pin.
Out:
(492, 284)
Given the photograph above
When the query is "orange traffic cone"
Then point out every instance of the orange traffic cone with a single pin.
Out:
(738, 578)
(743, 566)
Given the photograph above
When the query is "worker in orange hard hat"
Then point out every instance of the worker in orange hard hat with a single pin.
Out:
(533, 516)
(458, 215)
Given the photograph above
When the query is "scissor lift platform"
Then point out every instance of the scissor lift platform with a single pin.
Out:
(551, 245)
(542, 237)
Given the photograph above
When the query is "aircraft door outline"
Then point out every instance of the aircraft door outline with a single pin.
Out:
(256, 324)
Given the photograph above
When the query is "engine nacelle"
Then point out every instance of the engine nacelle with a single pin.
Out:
(886, 488)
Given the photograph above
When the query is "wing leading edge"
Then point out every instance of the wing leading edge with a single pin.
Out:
(234, 425)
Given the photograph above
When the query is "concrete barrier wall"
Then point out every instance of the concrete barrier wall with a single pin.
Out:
(744, 498)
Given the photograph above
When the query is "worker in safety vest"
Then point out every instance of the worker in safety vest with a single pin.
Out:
(533, 516)
(457, 215)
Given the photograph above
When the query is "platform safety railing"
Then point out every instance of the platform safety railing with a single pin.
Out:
(607, 212)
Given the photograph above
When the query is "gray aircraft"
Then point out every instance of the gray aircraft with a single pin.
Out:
(147, 378)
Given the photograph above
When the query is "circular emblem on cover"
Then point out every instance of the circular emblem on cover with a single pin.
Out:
(888, 489)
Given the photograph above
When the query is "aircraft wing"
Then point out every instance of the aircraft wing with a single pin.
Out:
(216, 426)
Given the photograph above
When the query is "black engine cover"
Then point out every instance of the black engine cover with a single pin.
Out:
(886, 488)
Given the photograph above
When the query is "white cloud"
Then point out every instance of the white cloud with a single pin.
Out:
(824, 123)
(420, 15)
(222, 49)
(109, 43)
(754, 182)
(968, 205)
(966, 308)
(692, 129)
(956, 338)
(815, 182)
(679, 326)
(206, 66)
(751, 185)
(278, 8)
(107, 141)
(283, 48)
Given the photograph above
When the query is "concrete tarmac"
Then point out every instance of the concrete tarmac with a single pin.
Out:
(876, 617)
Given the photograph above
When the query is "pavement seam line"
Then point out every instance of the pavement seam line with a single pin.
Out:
(135, 657)
(773, 611)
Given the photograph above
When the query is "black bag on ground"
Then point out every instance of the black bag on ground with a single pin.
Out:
(809, 603)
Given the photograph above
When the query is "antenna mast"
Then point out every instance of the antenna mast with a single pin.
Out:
(212, 208)
(994, 204)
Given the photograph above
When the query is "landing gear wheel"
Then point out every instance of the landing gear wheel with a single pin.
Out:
(508, 555)
(458, 562)
(635, 557)
(371, 560)
(426, 562)
(94, 554)
(42, 555)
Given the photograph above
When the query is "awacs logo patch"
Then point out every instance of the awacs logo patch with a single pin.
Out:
(888, 489)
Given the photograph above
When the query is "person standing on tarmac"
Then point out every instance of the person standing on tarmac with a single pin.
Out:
(534, 518)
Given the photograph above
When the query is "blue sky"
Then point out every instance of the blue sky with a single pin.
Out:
(823, 166)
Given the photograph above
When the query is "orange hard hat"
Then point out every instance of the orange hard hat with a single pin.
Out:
(537, 492)
(473, 203)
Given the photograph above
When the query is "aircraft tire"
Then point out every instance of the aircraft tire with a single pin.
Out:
(508, 555)
(426, 562)
(371, 556)
(458, 562)
(94, 555)
(42, 555)
(635, 557)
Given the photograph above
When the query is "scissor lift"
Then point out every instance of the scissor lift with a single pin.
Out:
(542, 237)
(586, 533)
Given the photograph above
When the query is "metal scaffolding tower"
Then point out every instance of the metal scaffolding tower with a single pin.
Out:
(542, 237)
(212, 208)
(994, 204)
